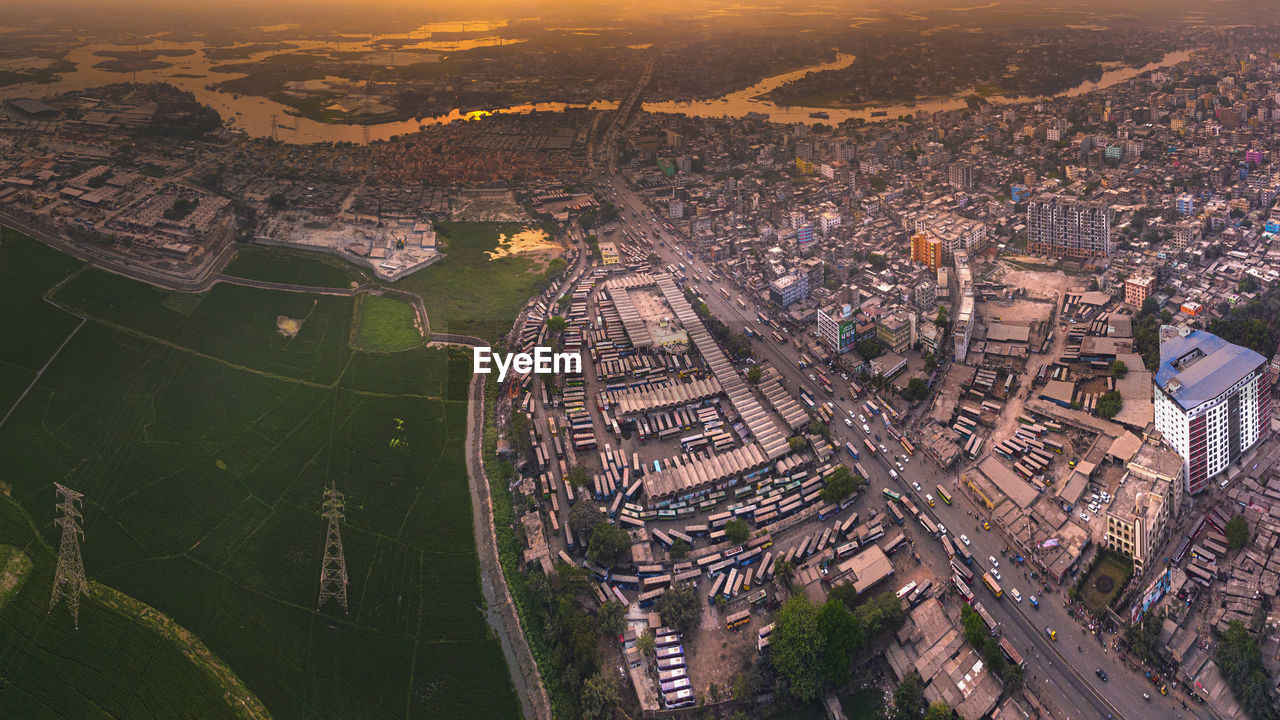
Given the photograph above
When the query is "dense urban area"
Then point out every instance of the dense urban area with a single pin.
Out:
(807, 347)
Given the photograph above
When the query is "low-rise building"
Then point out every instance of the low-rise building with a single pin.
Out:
(1138, 288)
(1149, 496)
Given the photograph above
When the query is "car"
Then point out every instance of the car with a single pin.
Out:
(1053, 634)
(882, 448)
(942, 529)
(848, 422)
(996, 574)
(844, 376)
(1084, 516)
(964, 539)
(994, 562)
(1034, 602)
(1101, 674)
(862, 419)
(986, 525)
(851, 414)
(813, 377)
(929, 498)
(916, 485)
(906, 459)
(900, 467)
(893, 473)
(865, 429)
(1017, 596)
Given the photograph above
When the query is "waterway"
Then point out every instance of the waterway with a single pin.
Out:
(256, 115)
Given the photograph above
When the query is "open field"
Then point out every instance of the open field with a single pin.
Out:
(202, 438)
(467, 293)
(385, 324)
(116, 664)
(1104, 583)
(292, 267)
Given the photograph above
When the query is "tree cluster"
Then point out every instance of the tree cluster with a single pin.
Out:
(813, 647)
(1240, 658)
(840, 484)
(1110, 403)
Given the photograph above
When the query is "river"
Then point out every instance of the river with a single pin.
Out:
(254, 115)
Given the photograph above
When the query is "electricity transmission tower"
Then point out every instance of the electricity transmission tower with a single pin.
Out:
(68, 581)
(333, 571)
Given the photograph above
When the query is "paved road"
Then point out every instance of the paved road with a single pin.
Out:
(1068, 672)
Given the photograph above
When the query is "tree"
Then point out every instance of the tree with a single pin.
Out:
(1144, 638)
(746, 684)
(680, 607)
(607, 543)
(578, 476)
(646, 643)
(1237, 531)
(878, 184)
(908, 698)
(556, 323)
(612, 618)
(841, 637)
(785, 572)
(1119, 369)
(754, 375)
(795, 443)
(679, 550)
(840, 484)
(941, 319)
(737, 531)
(1240, 658)
(599, 696)
(916, 390)
(1012, 678)
(583, 518)
(1110, 403)
(938, 711)
(930, 361)
(869, 348)
(278, 201)
(795, 647)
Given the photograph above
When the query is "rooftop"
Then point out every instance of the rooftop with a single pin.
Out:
(1199, 366)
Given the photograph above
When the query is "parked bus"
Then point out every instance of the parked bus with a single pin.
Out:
(987, 620)
(906, 590)
(778, 338)
(866, 442)
(849, 448)
(963, 589)
(760, 318)
(737, 619)
(963, 552)
(896, 514)
(906, 445)
(1010, 654)
(992, 585)
(962, 571)
(740, 303)
(891, 495)
(942, 493)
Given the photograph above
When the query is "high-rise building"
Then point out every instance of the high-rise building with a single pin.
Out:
(962, 327)
(1138, 288)
(960, 175)
(1059, 226)
(927, 250)
(1211, 402)
(836, 324)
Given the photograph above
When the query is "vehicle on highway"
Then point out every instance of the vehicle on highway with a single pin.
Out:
(942, 529)
(848, 422)
(994, 562)
(900, 467)
(916, 485)
(882, 448)
(1101, 674)
(964, 539)
(865, 429)
(813, 377)
(893, 473)
(996, 574)
(1017, 596)
(1053, 634)
(1034, 602)
(929, 499)
(986, 525)
(862, 419)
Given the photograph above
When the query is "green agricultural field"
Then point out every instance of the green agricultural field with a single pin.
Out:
(292, 267)
(466, 292)
(385, 324)
(114, 666)
(203, 437)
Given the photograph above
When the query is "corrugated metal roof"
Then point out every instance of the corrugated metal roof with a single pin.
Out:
(1196, 381)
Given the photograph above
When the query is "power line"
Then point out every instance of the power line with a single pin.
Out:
(68, 581)
(333, 571)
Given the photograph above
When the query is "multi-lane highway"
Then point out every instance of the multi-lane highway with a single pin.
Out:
(1067, 665)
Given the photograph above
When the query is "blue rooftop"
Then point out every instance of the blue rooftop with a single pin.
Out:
(1198, 367)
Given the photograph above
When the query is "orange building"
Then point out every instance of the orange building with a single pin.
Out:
(927, 250)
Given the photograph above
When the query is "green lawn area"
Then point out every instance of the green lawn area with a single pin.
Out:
(466, 292)
(1105, 582)
(202, 438)
(385, 324)
(292, 267)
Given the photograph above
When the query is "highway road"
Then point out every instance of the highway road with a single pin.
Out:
(1067, 666)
